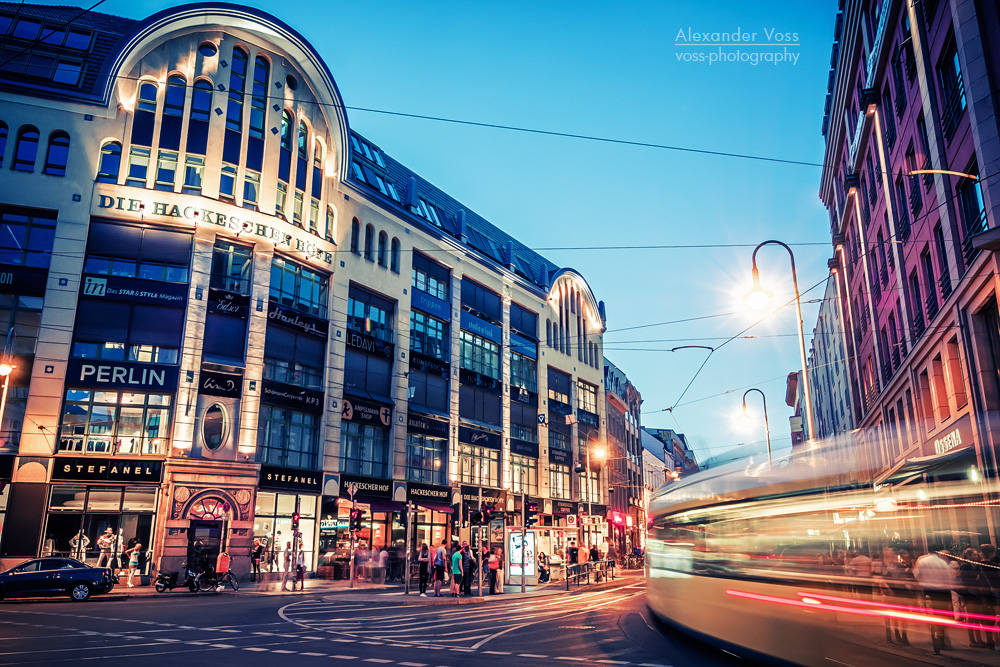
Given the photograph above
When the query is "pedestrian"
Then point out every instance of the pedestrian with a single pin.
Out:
(573, 552)
(543, 568)
(255, 555)
(991, 592)
(300, 569)
(468, 567)
(133, 561)
(933, 576)
(456, 573)
(493, 565)
(971, 583)
(383, 564)
(424, 560)
(440, 561)
(612, 558)
(897, 573)
(286, 574)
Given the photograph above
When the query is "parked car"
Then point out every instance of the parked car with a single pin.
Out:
(55, 576)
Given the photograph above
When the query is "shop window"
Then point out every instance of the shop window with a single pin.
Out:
(111, 160)
(112, 422)
(58, 155)
(132, 268)
(26, 149)
(524, 474)
(364, 450)
(288, 438)
(478, 465)
(299, 287)
(429, 335)
(273, 527)
(431, 277)
(426, 459)
(232, 267)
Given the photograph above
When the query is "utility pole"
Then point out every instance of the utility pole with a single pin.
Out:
(479, 568)
(524, 530)
(350, 529)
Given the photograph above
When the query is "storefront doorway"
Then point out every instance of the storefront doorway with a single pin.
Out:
(204, 545)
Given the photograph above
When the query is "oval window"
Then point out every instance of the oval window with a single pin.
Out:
(291, 82)
(215, 427)
(207, 49)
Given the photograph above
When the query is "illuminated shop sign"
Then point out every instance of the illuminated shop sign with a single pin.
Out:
(959, 435)
(87, 469)
(297, 321)
(365, 487)
(290, 479)
(291, 396)
(367, 412)
(227, 385)
(121, 375)
(423, 493)
(228, 303)
(23, 280)
(472, 436)
(237, 224)
(134, 290)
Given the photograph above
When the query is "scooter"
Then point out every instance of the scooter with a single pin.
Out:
(166, 581)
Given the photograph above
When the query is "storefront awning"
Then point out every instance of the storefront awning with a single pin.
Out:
(951, 462)
(436, 507)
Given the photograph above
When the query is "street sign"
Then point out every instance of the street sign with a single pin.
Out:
(352, 489)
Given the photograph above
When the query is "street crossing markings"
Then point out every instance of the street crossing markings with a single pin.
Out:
(344, 657)
(314, 655)
(497, 652)
(412, 664)
(380, 661)
(225, 646)
(255, 649)
(281, 651)
(530, 655)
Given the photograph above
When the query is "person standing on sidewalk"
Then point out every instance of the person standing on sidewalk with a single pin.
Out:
(286, 574)
(424, 560)
(493, 565)
(300, 569)
(440, 563)
(456, 573)
(256, 553)
(468, 568)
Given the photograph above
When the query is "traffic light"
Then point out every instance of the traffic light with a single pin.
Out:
(356, 518)
(295, 522)
(531, 515)
(476, 519)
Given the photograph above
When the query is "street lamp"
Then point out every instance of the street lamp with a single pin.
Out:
(5, 371)
(758, 298)
(767, 428)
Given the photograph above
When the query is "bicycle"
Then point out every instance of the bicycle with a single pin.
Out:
(206, 581)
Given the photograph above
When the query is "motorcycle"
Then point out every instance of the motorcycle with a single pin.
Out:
(166, 581)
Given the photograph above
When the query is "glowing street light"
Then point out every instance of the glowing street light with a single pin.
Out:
(759, 298)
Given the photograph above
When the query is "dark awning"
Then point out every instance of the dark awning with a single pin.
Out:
(936, 464)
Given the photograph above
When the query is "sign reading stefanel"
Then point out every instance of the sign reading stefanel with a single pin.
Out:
(290, 479)
(85, 468)
(200, 215)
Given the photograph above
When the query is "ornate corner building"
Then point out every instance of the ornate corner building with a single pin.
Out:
(225, 309)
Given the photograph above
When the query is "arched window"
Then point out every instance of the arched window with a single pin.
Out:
(258, 96)
(55, 161)
(548, 332)
(286, 130)
(355, 236)
(317, 154)
(111, 162)
(3, 141)
(173, 102)
(383, 241)
(303, 141)
(237, 87)
(147, 97)
(394, 256)
(201, 100)
(331, 222)
(370, 243)
(26, 149)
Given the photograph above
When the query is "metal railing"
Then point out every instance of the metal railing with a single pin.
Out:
(581, 573)
(954, 106)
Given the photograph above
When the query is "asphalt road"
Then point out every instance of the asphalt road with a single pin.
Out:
(608, 627)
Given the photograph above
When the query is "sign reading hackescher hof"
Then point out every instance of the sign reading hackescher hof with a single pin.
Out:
(428, 493)
(88, 469)
(367, 487)
(120, 375)
(290, 479)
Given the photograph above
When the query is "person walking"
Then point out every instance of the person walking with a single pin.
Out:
(971, 585)
(424, 561)
(286, 574)
(612, 558)
(256, 553)
(440, 563)
(933, 576)
(456, 573)
(493, 565)
(468, 568)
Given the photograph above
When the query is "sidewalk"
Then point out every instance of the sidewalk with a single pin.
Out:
(372, 591)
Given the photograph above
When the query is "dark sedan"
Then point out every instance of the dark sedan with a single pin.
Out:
(55, 576)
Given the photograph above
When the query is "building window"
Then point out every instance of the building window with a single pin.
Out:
(281, 199)
(138, 167)
(479, 355)
(370, 314)
(232, 267)
(291, 358)
(524, 474)
(173, 101)
(970, 198)
(430, 277)
(194, 169)
(952, 88)
(166, 169)
(297, 209)
(355, 236)
(590, 486)
(481, 301)
(25, 240)
(288, 438)
(147, 97)
(113, 422)
(227, 182)
(201, 100)
(364, 450)
(586, 396)
(237, 87)
(523, 372)
(3, 141)
(478, 465)
(58, 156)
(559, 482)
(251, 189)
(429, 335)
(383, 242)
(26, 149)
(258, 97)
(299, 287)
(394, 256)
(370, 243)
(523, 420)
(272, 525)
(426, 459)
(331, 222)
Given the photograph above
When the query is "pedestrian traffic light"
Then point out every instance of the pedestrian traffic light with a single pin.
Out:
(476, 519)
(531, 515)
(356, 517)
(295, 522)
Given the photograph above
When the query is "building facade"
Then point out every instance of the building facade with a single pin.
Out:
(233, 318)
(627, 515)
(828, 368)
(676, 449)
(913, 87)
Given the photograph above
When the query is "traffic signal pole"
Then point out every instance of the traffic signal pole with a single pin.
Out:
(409, 522)
(479, 568)
(350, 529)
(524, 531)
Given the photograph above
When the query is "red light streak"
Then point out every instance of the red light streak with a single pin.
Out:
(886, 605)
(917, 618)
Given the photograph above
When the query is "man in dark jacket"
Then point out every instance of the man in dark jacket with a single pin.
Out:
(468, 567)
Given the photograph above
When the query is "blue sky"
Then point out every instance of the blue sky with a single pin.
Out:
(613, 70)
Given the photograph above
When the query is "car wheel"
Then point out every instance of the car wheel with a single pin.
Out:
(80, 591)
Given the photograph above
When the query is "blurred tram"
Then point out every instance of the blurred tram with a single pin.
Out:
(801, 562)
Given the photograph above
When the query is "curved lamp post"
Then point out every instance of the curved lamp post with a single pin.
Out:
(767, 428)
(758, 298)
